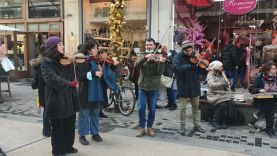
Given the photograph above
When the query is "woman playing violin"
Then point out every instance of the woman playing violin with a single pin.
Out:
(91, 97)
(60, 96)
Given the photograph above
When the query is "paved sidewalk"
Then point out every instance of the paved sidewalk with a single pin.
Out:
(31, 143)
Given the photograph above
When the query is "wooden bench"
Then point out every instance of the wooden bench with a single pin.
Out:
(245, 107)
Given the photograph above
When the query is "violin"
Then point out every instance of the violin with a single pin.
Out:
(77, 58)
(201, 62)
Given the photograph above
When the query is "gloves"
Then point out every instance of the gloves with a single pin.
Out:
(91, 58)
(74, 84)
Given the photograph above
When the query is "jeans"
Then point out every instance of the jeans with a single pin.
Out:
(241, 74)
(136, 90)
(171, 96)
(232, 75)
(148, 98)
(88, 121)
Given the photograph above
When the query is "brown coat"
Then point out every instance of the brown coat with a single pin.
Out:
(216, 89)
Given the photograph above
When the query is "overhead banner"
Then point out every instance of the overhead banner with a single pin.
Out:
(239, 7)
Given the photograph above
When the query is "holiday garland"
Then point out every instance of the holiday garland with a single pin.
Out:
(116, 21)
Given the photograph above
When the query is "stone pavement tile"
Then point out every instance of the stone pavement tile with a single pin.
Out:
(15, 134)
(113, 145)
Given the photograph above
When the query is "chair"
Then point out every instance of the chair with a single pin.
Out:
(5, 76)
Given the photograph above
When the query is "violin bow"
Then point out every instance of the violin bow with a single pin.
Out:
(75, 75)
(206, 51)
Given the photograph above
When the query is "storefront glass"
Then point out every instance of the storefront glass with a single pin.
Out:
(96, 14)
(44, 8)
(10, 9)
(219, 24)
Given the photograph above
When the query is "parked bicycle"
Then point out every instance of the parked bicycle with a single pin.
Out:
(124, 97)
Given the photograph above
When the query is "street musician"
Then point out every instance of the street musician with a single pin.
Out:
(266, 83)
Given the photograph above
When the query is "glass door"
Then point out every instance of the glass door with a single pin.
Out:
(20, 54)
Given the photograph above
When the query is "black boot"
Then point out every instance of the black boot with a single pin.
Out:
(102, 115)
(83, 140)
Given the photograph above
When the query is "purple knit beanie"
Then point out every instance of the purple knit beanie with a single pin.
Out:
(52, 42)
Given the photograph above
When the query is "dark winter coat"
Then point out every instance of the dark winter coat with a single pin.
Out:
(187, 76)
(168, 70)
(36, 65)
(150, 74)
(61, 99)
(256, 87)
(229, 57)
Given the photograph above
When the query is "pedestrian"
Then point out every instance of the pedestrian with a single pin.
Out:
(172, 91)
(241, 54)
(230, 62)
(266, 82)
(38, 79)
(60, 96)
(188, 85)
(151, 68)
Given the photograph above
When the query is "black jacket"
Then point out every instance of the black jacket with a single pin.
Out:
(36, 64)
(256, 87)
(61, 100)
(187, 76)
(229, 57)
(168, 69)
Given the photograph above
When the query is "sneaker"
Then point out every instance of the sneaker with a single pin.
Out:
(151, 132)
(96, 138)
(141, 132)
(174, 107)
(102, 115)
(83, 140)
(167, 106)
(198, 129)
(72, 150)
(233, 89)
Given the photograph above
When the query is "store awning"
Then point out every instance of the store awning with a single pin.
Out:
(6, 28)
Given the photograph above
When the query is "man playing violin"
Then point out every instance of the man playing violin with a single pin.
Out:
(188, 85)
(151, 68)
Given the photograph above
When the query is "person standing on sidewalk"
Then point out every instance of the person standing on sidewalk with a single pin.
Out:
(151, 68)
(36, 65)
(230, 62)
(171, 92)
(88, 117)
(188, 85)
(60, 96)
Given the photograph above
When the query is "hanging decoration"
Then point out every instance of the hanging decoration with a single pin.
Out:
(116, 21)
(194, 33)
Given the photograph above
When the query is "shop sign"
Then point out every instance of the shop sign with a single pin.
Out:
(239, 7)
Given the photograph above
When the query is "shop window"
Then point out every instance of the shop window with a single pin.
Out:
(10, 9)
(44, 8)
(33, 27)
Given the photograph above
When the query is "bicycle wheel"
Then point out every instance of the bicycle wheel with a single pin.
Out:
(126, 101)
(111, 99)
